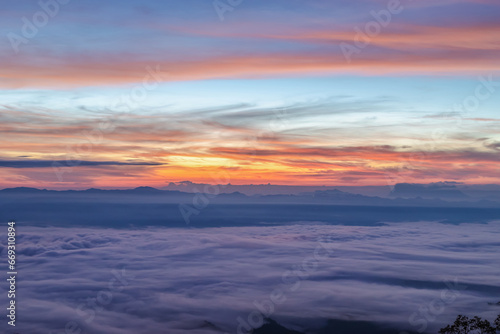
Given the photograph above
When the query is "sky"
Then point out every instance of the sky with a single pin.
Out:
(131, 93)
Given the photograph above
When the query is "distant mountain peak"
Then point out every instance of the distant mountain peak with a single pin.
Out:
(22, 189)
(144, 189)
(443, 190)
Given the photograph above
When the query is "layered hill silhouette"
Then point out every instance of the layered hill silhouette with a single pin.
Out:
(147, 206)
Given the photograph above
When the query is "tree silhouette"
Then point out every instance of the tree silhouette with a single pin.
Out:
(476, 325)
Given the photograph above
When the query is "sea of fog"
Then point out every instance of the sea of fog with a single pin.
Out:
(412, 276)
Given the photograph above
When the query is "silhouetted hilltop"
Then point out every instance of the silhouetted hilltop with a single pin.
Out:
(25, 190)
(440, 190)
(327, 197)
(332, 327)
(272, 327)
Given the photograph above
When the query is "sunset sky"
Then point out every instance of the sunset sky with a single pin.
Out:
(134, 93)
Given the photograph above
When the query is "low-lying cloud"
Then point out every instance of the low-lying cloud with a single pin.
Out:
(203, 280)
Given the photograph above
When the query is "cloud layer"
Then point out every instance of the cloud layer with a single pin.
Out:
(339, 141)
(202, 280)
